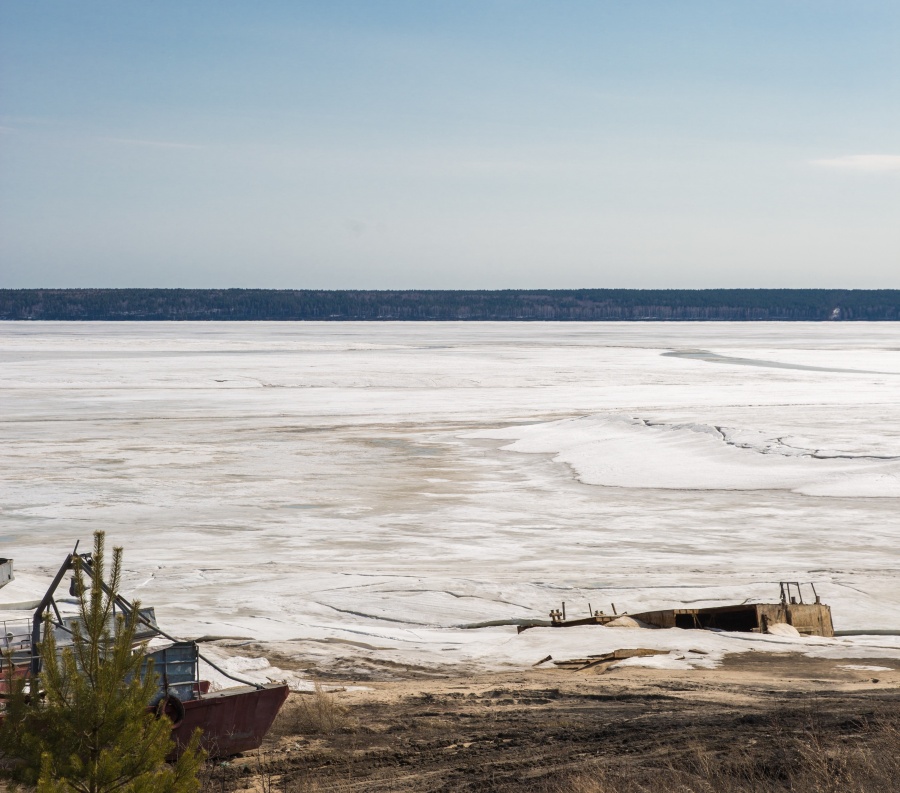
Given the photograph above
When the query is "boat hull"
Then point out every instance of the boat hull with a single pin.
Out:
(233, 720)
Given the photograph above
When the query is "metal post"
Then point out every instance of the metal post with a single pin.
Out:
(38, 618)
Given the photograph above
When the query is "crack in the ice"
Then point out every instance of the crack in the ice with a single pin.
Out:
(360, 632)
(819, 456)
(455, 595)
(369, 616)
(774, 447)
(848, 586)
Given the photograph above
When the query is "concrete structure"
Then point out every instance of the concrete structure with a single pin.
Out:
(6, 572)
(809, 619)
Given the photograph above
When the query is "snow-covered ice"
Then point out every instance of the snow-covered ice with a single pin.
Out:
(349, 490)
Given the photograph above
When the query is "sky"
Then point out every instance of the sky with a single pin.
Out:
(449, 144)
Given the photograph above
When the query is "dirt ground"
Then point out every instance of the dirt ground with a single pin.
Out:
(758, 720)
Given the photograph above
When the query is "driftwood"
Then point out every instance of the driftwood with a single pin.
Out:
(580, 664)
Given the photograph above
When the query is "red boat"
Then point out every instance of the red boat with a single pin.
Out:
(232, 720)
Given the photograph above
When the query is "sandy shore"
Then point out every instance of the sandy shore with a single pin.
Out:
(551, 729)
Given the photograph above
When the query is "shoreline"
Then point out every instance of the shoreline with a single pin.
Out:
(550, 729)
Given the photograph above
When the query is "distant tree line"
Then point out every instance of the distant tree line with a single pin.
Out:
(573, 305)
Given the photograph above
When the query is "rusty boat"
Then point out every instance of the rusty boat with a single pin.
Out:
(231, 720)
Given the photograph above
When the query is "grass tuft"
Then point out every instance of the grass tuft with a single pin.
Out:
(315, 713)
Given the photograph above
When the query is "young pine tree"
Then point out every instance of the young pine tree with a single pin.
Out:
(90, 730)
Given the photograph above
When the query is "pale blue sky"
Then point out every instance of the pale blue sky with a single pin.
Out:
(488, 144)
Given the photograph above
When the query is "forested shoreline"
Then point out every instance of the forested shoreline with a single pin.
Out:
(568, 305)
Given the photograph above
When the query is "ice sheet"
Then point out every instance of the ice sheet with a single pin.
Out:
(371, 493)
(624, 451)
